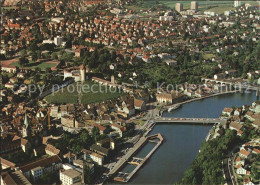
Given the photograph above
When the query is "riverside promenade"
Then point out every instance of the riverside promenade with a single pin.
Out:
(196, 99)
(125, 177)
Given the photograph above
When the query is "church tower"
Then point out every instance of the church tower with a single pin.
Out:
(25, 126)
(82, 73)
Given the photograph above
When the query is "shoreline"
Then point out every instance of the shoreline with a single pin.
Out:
(196, 99)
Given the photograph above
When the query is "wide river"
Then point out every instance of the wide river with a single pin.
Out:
(182, 142)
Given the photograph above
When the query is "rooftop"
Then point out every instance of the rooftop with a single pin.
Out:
(71, 173)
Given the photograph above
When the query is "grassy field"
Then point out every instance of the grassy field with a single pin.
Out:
(91, 93)
(32, 65)
(208, 56)
(215, 6)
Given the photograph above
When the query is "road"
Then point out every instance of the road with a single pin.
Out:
(226, 171)
(231, 169)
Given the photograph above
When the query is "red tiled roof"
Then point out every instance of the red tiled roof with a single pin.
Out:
(244, 152)
(44, 162)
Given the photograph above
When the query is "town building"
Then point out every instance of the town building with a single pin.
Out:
(194, 5)
(237, 3)
(13, 178)
(173, 97)
(51, 150)
(179, 7)
(41, 166)
(58, 40)
(69, 177)
(97, 158)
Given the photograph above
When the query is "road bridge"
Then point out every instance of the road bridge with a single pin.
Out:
(187, 120)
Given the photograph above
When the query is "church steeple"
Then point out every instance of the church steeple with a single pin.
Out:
(26, 120)
(25, 126)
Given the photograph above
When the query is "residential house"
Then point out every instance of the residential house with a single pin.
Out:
(256, 107)
(100, 127)
(247, 181)
(219, 76)
(250, 115)
(240, 170)
(238, 112)
(139, 104)
(244, 153)
(227, 111)
(240, 161)
(256, 123)
(119, 129)
(189, 92)
(236, 126)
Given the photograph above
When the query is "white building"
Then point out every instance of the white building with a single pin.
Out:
(118, 129)
(179, 7)
(194, 5)
(241, 171)
(237, 3)
(40, 167)
(210, 13)
(68, 177)
(47, 41)
(166, 18)
(99, 159)
(58, 40)
(227, 13)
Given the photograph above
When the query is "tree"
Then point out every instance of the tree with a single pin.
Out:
(34, 56)
(54, 56)
(88, 177)
(2, 57)
(37, 78)
(23, 61)
(23, 53)
(85, 138)
(95, 133)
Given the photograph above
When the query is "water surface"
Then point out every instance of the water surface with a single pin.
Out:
(182, 142)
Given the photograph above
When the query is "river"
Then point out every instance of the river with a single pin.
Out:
(182, 142)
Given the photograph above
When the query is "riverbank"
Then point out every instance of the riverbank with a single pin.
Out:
(183, 142)
(125, 177)
(196, 99)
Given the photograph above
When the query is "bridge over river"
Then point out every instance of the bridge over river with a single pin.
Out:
(187, 120)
